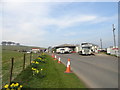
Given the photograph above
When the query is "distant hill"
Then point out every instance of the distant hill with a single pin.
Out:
(16, 48)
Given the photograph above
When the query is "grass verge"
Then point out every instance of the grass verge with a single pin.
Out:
(54, 77)
(18, 63)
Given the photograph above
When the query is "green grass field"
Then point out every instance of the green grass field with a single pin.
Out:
(54, 77)
(7, 54)
(15, 48)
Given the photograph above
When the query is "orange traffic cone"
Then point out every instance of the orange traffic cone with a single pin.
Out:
(68, 67)
(59, 61)
(52, 55)
(55, 58)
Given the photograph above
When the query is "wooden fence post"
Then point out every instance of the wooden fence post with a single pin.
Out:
(24, 61)
(30, 57)
(11, 69)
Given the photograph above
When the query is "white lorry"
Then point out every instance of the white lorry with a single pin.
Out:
(63, 50)
(85, 49)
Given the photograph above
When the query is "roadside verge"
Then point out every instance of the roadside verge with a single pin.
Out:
(54, 77)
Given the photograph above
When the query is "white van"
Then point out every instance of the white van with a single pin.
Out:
(63, 50)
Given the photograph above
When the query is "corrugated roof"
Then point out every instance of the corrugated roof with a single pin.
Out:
(66, 45)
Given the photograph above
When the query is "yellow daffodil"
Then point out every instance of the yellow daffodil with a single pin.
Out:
(12, 85)
(16, 84)
(37, 62)
(33, 68)
(21, 86)
(39, 58)
(41, 69)
(6, 86)
(37, 71)
(33, 61)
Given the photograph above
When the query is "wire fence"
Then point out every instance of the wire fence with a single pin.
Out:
(14, 66)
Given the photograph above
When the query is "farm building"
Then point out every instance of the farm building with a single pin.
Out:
(35, 50)
(71, 47)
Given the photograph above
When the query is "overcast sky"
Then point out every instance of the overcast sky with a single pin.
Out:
(54, 23)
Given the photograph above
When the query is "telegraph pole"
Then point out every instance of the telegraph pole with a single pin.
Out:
(114, 36)
(101, 42)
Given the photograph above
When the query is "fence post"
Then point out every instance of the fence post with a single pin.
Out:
(11, 69)
(30, 57)
(24, 62)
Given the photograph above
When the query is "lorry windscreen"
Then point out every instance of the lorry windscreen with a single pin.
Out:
(86, 47)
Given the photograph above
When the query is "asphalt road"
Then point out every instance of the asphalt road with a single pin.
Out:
(99, 71)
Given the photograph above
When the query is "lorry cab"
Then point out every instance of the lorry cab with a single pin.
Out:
(86, 49)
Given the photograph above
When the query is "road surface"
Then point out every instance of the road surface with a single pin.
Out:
(99, 71)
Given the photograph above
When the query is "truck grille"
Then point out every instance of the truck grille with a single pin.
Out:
(86, 51)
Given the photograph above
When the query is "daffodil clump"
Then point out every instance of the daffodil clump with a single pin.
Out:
(42, 58)
(36, 63)
(12, 86)
(34, 67)
(36, 71)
